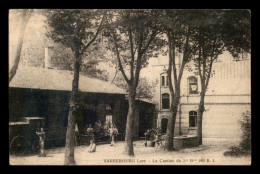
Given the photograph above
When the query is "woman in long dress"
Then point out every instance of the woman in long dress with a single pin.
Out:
(113, 131)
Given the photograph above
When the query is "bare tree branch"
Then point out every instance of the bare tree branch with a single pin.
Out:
(208, 75)
(199, 59)
(132, 53)
(26, 14)
(169, 72)
(119, 60)
(154, 33)
(185, 56)
(95, 36)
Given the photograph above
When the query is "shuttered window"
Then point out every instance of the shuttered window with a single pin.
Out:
(193, 85)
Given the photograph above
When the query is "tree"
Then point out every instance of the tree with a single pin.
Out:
(63, 59)
(216, 30)
(178, 28)
(145, 89)
(77, 30)
(25, 15)
(133, 34)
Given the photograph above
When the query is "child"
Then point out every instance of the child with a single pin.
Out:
(92, 146)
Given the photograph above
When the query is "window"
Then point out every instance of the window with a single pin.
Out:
(193, 85)
(165, 101)
(164, 80)
(192, 118)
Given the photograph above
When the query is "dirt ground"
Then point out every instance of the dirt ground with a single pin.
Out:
(210, 153)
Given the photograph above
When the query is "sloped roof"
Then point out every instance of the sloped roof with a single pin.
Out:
(52, 79)
(144, 100)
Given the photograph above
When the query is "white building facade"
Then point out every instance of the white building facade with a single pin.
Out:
(228, 96)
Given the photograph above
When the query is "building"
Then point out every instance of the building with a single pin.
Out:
(45, 92)
(227, 98)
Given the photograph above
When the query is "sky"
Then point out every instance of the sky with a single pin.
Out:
(35, 24)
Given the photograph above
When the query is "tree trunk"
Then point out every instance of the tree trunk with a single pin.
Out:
(26, 14)
(129, 149)
(171, 124)
(200, 115)
(70, 134)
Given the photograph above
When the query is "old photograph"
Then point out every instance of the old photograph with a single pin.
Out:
(129, 87)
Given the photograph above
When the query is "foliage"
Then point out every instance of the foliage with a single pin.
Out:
(213, 32)
(63, 57)
(77, 30)
(32, 53)
(73, 28)
(245, 123)
(225, 30)
(233, 151)
(133, 36)
(178, 27)
(35, 42)
(86, 24)
(136, 35)
(236, 31)
(201, 36)
(145, 89)
(244, 147)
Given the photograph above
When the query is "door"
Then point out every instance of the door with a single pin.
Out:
(164, 123)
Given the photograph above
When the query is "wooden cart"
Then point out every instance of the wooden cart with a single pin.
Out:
(22, 135)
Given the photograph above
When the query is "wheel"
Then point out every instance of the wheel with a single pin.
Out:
(18, 145)
(35, 146)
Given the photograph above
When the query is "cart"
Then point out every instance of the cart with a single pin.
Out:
(22, 135)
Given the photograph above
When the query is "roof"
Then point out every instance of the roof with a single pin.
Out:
(145, 100)
(52, 79)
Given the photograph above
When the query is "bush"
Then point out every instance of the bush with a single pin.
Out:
(233, 151)
(245, 123)
(245, 144)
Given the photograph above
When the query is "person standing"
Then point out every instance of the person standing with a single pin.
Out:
(90, 133)
(113, 131)
(41, 142)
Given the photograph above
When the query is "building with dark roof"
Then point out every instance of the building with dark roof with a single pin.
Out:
(45, 92)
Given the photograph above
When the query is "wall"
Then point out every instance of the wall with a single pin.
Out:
(53, 107)
(219, 121)
(227, 97)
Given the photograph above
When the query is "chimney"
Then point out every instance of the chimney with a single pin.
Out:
(48, 57)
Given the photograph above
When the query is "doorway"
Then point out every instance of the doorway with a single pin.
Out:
(164, 123)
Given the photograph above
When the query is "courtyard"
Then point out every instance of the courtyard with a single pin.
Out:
(210, 153)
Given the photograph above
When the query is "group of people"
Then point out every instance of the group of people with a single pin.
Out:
(108, 129)
(154, 135)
